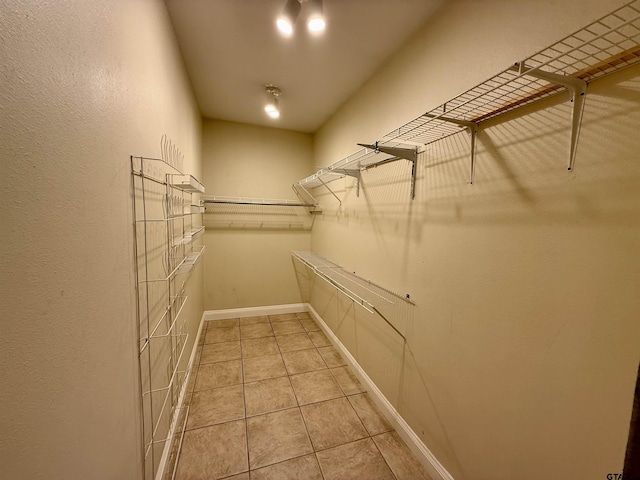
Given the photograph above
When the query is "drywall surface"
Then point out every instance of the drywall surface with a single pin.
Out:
(522, 348)
(248, 261)
(84, 84)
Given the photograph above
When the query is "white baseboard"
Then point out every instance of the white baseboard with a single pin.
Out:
(255, 311)
(428, 460)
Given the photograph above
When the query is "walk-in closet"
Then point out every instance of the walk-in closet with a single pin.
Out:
(320, 239)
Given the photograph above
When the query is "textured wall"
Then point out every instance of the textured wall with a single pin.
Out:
(249, 267)
(523, 345)
(84, 84)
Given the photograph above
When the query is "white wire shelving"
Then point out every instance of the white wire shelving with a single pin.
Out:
(168, 244)
(605, 46)
(259, 213)
(374, 298)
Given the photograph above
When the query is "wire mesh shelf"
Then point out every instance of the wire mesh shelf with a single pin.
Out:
(186, 183)
(605, 46)
(258, 213)
(370, 296)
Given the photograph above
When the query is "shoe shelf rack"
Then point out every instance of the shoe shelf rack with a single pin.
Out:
(168, 244)
(605, 46)
(375, 299)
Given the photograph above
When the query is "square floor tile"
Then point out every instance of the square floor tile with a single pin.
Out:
(287, 326)
(263, 367)
(213, 452)
(303, 315)
(365, 461)
(319, 339)
(300, 361)
(227, 322)
(222, 334)
(294, 341)
(268, 396)
(216, 405)
(256, 330)
(332, 423)
(221, 374)
(220, 352)
(310, 325)
(254, 320)
(403, 463)
(283, 317)
(315, 387)
(331, 357)
(348, 382)
(276, 437)
(301, 468)
(369, 414)
(256, 347)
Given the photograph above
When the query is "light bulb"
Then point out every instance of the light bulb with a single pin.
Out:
(316, 24)
(272, 110)
(285, 26)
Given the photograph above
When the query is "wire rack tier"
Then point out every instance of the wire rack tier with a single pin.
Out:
(168, 244)
(605, 46)
(372, 297)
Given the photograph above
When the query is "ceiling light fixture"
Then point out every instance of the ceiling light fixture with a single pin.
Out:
(272, 107)
(288, 17)
(316, 22)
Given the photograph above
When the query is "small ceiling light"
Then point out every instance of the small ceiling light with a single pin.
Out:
(272, 107)
(288, 17)
(316, 22)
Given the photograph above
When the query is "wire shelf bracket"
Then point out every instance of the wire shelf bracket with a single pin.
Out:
(578, 90)
(397, 153)
(472, 128)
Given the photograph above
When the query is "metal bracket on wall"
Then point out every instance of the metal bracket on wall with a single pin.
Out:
(351, 172)
(578, 90)
(398, 153)
(330, 191)
(472, 128)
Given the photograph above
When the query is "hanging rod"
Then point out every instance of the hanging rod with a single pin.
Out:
(269, 203)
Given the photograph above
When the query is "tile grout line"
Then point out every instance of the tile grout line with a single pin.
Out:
(304, 422)
(244, 402)
(298, 405)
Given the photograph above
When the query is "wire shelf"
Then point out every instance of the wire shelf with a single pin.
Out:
(258, 213)
(605, 46)
(254, 201)
(370, 296)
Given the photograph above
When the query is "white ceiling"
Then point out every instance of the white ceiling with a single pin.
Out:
(232, 48)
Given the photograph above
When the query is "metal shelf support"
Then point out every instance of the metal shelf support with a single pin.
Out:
(330, 191)
(578, 90)
(472, 128)
(398, 153)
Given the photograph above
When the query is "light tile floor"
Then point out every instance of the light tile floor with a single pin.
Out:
(271, 398)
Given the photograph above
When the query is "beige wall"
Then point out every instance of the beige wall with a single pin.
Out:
(522, 349)
(250, 266)
(84, 84)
